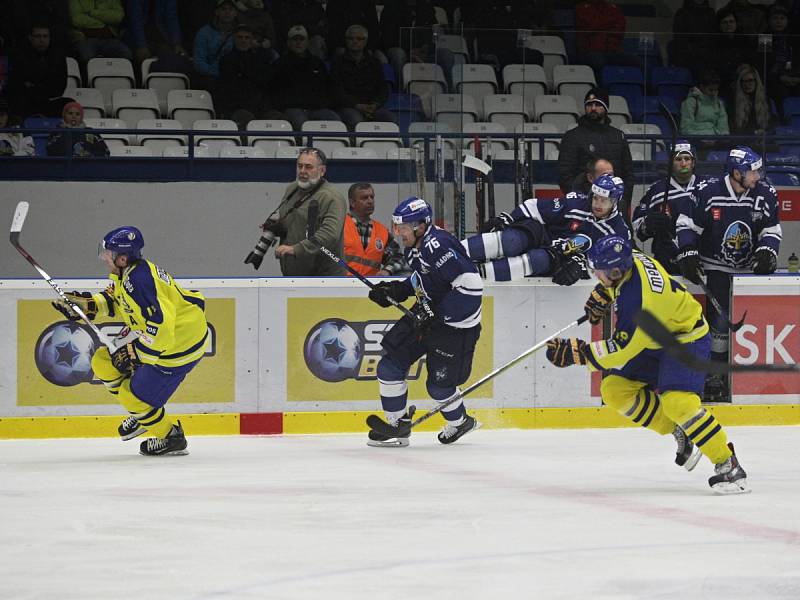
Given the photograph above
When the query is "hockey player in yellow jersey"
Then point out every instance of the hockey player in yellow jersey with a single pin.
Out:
(641, 381)
(164, 339)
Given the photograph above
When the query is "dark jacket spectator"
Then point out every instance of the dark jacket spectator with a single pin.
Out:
(693, 26)
(38, 76)
(358, 87)
(494, 25)
(594, 137)
(302, 81)
(148, 16)
(245, 78)
(730, 49)
(751, 18)
(253, 14)
(398, 16)
(79, 142)
(343, 13)
(308, 13)
(26, 13)
(783, 70)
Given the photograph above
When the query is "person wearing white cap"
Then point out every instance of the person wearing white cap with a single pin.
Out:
(595, 137)
(302, 87)
(654, 218)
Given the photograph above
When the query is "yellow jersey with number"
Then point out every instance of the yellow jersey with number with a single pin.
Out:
(171, 320)
(647, 286)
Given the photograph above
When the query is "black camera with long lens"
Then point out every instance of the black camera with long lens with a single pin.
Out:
(272, 231)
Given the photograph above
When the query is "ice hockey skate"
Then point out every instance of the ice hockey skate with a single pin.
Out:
(451, 433)
(174, 444)
(378, 440)
(730, 477)
(687, 455)
(130, 428)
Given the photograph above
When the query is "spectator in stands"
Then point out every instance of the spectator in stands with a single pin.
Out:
(77, 142)
(751, 18)
(594, 137)
(302, 85)
(95, 29)
(311, 215)
(153, 28)
(752, 112)
(344, 13)
(494, 26)
(213, 42)
(13, 144)
(25, 13)
(38, 76)
(693, 27)
(783, 76)
(600, 27)
(369, 246)
(730, 49)
(358, 87)
(253, 14)
(703, 113)
(595, 167)
(311, 15)
(246, 74)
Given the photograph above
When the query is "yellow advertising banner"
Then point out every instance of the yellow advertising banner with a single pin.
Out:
(54, 358)
(333, 346)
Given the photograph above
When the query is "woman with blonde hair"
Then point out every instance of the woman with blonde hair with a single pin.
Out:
(751, 112)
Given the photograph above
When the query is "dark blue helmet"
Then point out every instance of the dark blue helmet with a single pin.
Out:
(124, 240)
(611, 252)
(743, 159)
(609, 186)
(412, 210)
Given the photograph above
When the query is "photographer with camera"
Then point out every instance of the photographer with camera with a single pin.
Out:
(311, 214)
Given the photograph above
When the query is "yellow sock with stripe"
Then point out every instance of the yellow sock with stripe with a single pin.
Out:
(155, 420)
(701, 427)
(637, 402)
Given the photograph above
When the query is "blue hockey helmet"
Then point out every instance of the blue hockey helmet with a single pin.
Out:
(743, 159)
(609, 186)
(412, 210)
(611, 252)
(124, 240)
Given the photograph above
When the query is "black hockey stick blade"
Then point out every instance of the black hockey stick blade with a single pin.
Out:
(718, 307)
(378, 425)
(653, 327)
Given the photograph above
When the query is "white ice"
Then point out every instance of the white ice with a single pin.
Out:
(545, 514)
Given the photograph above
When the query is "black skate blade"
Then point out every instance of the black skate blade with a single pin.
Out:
(378, 425)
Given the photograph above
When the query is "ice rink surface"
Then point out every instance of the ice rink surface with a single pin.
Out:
(544, 514)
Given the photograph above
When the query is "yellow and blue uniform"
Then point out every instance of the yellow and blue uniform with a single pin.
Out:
(172, 330)
(643, 382)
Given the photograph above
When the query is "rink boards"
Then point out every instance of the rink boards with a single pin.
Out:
(299, 356)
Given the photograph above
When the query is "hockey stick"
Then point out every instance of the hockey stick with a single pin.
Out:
(16, 229)
(490, 178)
(380, 426)
(653, 327)
(439, 188)
(363, 279)
(419, 168)
(718, 307)
(480, 193)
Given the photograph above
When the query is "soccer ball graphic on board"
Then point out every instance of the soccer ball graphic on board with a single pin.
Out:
(332, 350)
(64, 354)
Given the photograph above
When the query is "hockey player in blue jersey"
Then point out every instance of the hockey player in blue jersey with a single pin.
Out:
(444, 324)
(549, 237)
(641, 381)
(654, 219)
(732, 225)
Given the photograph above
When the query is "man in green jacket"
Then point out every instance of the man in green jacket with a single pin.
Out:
(311, 215)
(95, 29)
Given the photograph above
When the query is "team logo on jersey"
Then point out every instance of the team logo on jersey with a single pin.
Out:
(716, 214)
(574, 225)
(379, 244)
(737, 243)
(557, 204)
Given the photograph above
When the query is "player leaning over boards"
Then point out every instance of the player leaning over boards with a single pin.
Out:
(636, 366)
(446, 323)
(168, 332)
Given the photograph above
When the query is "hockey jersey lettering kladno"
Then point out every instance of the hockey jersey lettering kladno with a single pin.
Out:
(171, 320)
(447, 277)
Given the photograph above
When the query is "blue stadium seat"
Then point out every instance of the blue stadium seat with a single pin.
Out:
(783, 179)
(717, 156)
(627, 82)
(672, 82)
(389, 76)
(646, 48)
(782, 158)
(40, 139)
(407, 107)
(791, 108)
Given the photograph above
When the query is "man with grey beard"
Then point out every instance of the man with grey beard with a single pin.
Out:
(311, 215)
